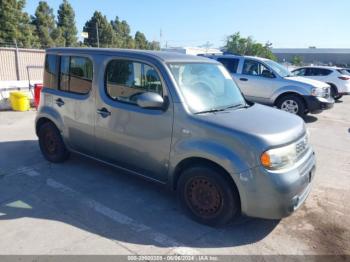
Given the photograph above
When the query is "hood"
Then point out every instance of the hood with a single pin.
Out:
(307, 81)
(264, 126)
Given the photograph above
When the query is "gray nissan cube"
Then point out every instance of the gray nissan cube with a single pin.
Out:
(180, 121)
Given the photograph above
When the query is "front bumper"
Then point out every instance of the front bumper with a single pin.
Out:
(318, 104)
(277, 194)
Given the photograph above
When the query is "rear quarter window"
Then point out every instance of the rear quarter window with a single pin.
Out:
(50, 72)
(231, 64)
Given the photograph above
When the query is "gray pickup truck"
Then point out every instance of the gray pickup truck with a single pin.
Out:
(267, 82)
(178, 120)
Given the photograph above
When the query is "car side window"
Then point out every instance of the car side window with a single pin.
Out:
(80, 72)
(308, 72)
(231, 64)
(76, 74)
(326, 72)
(300, 72)
(50, 72)
(64, 73)
(125, 80)
(256, 68)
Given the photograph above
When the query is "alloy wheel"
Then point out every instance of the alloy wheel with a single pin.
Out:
(290, 106)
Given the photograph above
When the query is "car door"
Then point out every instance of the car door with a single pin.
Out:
(73, 101)
(126, 135)
(256, 81)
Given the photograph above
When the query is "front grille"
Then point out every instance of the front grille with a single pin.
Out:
(327, 92)
(302, 146)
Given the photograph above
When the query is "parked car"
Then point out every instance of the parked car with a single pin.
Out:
(347, 70)
(178, 120)
(338, 78)
(267, 82)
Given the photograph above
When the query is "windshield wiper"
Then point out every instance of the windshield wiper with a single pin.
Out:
(237, 106)
(209, 111)
(214, 110)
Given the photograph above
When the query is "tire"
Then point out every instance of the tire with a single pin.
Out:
(293, 104)
(334, 93)
(207, 196)
(51, 144)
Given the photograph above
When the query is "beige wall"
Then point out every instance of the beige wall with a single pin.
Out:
(26, 57)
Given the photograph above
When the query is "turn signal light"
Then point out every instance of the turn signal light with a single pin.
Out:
(265, 160)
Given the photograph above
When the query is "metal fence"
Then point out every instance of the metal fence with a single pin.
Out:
(17, 63)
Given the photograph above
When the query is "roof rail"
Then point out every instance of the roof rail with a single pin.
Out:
(205, 55)
(230, 53)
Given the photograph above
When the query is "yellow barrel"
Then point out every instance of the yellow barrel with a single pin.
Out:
(19, 101)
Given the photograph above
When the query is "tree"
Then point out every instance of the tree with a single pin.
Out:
(14, 24)
(248, 46)
(141, 41)
(123, 37)
(98, 26)
(66, 24)
(154, 45)
(44, 22)
(297, 60)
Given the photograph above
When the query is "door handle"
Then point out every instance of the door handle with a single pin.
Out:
(103, 112)
(59, 102)
(243, 79)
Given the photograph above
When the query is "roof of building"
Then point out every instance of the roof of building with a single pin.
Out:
(323, 67)
(159, 55)
(235, 56)
(311, 50)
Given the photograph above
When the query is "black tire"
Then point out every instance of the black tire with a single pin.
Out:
(51, 143)
(292, 100)
(207, 196)
(334, 93)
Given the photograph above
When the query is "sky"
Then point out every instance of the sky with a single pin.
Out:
(284, 23)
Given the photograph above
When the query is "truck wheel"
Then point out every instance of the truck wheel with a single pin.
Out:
(292, 104)
(51, 143)
(207, 196)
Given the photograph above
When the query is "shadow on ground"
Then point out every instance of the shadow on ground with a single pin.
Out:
(310, 119)
(107, 202)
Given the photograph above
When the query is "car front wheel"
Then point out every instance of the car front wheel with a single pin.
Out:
(292, 104)
(207, 196)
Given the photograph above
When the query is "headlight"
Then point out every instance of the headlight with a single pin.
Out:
(318, 91)
(285, 156)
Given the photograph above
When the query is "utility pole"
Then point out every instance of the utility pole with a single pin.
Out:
(17, 60)
(160, 38)
(97, 35)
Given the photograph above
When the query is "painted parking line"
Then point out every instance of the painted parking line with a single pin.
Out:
(116, 216)
(28, 171)
(120, 218)
(24, 170)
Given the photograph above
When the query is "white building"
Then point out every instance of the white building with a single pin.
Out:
(193, 50)
(316, 56)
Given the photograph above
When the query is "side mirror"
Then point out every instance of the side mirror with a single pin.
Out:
(150, 100)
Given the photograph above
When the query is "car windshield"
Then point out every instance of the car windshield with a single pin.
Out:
(206, 87)
(279, 69)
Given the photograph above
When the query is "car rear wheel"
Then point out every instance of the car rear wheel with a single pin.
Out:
(207, 196)
(292, 104)
(334, 93)
(51, 143)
